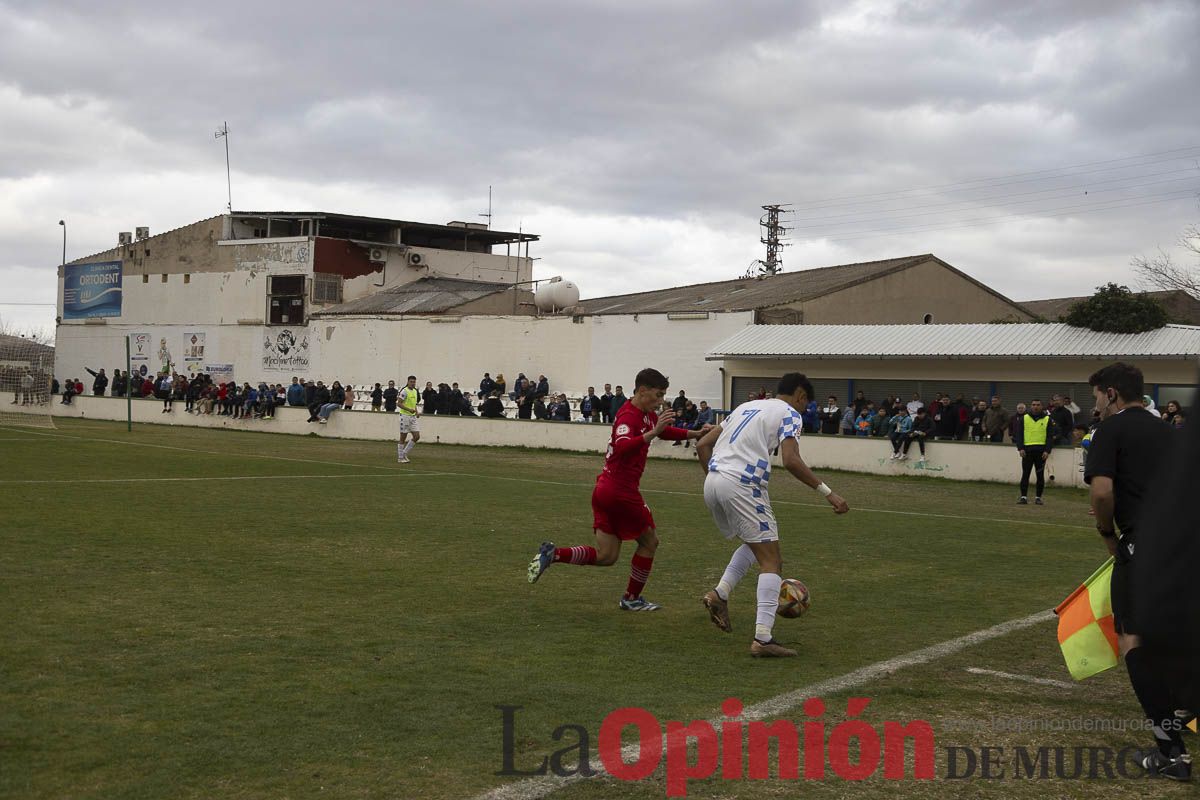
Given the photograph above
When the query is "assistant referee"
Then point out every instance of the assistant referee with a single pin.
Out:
(1123, 462)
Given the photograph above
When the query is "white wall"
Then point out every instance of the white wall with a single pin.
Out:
(948, 460)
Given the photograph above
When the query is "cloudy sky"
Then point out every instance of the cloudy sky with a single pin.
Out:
(1036, 145)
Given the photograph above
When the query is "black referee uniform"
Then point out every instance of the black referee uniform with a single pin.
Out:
(1130, 448)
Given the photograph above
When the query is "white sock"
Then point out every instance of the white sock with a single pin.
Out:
(739, 563)
(408, 447)
(768, 602)
(399, 449)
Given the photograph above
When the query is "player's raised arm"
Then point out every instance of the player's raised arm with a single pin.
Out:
(793, 463)
(704, 447)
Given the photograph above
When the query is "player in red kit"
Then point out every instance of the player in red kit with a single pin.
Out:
(619, 513)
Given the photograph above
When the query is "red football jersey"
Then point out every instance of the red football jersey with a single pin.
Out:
(627, 448)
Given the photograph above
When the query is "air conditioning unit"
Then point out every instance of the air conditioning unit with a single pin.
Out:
(142, 233)
(377, 254)
(124, 237)
(416, 260)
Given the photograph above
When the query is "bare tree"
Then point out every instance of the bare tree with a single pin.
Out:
(29, 333)
(1162, 272)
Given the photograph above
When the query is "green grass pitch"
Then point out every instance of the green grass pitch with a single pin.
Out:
(214, 614)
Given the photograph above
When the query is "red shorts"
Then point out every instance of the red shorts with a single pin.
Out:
(623, 514)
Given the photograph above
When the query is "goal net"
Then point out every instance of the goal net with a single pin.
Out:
(26, 376)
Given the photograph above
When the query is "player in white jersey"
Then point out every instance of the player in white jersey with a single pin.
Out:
(736, 457)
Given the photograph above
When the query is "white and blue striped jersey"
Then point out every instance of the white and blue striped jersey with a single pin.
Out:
(754, 429)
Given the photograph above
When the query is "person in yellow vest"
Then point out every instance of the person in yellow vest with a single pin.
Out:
(1034, 442)
(409, 413)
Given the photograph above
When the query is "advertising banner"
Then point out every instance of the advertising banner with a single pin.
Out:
(139, 354)
(286, 351)
(92, 290)
(193, 351)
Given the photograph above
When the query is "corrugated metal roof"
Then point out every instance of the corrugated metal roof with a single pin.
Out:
(747, 294)
(423, 296)
(1181, 307)
(1027, 340)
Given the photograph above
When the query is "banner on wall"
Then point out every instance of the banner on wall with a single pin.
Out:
(193, 351)
(92, 290)
(285, 351)
(220, 373)
(139, 354)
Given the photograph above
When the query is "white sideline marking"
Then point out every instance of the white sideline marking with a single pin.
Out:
(561, 483)
(1023, 678)
(533, 788)
(397, 474)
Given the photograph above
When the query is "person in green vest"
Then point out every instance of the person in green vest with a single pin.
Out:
(1034, 443)
(409, 414)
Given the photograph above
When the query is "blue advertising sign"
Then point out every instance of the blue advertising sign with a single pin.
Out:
(92, 290)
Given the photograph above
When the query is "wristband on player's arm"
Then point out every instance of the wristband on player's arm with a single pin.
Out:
(823, 490)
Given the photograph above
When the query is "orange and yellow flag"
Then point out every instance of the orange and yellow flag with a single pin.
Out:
(1086, 632)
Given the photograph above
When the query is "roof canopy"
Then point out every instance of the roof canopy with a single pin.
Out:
(1028, 340)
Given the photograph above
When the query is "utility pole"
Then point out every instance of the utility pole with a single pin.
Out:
(63, 222)
(772, 235)
(223, 133)
(488, 215)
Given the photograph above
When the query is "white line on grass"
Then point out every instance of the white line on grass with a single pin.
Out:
(1022, 678)
(541, 482)
(533, 788)
(396, 474)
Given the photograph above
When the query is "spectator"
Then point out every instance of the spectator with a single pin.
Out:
(501, 385)
(686, 420)
(945, 419)
(377, 398)
(1179, 419)
(120, 383)
(205, 404)
(348, 402)
(429, 399)
(976, 424)
(847, 424)
(862, 422)
(486, 385)
(618, 400)
(561, 411)
(250, 405)
(147, 386)
(1172, 411)
(811, 417)
(606, 401)
(526, 400)
(192, 395)
(543, 387)
(914, 404)
(679, 403)
(443, 398)
(266, 400)
(101, 382)
(705, 415)
(589, 406)
(899, 427)
(519, 386)
(996, 421)
(337, 399)
(166, 385)
(539, 407)
(886, 407)
(295, 392)
(390, 395)
(493, 407)
(1014, 423)
(860, 402)
(455, 401)
(310, 393)
(922, 429)
(879, 423)
(1061, 420)
(236, 399)
(830, 415)
(223, 400)
(68, 391)
(321, 398)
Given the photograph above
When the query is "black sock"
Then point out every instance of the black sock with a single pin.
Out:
(1155, 697)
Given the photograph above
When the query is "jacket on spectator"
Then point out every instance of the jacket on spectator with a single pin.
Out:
(589, 406)
(922, 424)
(337, 395)
(429, 401)
(995, 420)
(900, 425)
(101, 382)
(1064, 422)
(946, 420)
(618, 400)
(543, 387)
(830, 417)
(879, 424)
(848, 419)
(704, 417)
(295, 394)
(493, 408)
(390, 396)
(310, 393)
(485, 387)
(811, 417)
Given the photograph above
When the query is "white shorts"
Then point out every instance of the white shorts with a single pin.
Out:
(741, 511)
(409, 423)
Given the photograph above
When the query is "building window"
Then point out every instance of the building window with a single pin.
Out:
(928, 319)
(327, 288)
(187, 278)
(146, 278)
(164, 278)
(285, 299)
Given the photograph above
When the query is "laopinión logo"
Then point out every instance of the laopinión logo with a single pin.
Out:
(735, 750)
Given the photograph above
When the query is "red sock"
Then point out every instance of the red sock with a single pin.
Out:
(582, 555)
(639, 573)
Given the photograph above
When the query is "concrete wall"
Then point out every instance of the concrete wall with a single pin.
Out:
(950, 460)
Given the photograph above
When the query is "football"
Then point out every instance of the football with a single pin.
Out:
(794, 598)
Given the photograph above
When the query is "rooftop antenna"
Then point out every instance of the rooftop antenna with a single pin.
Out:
(223, 133)
(772, 235)
(489, 211)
